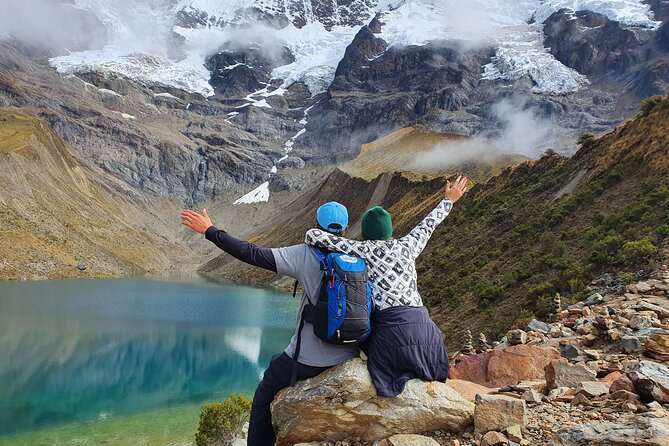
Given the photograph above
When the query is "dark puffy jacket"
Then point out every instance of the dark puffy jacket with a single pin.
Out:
(404, 344)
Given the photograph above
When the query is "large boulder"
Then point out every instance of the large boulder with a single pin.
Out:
(560, 373)
(342, 403)
(505, 367)
(641, 430)
(498, 412)
(651, 380)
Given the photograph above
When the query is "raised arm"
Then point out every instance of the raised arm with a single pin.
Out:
(331, 242)
(420, 235)
(239, 249)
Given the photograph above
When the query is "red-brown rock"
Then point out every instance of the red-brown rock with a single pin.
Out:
(505, 367)
(622, 383)
(612, 377)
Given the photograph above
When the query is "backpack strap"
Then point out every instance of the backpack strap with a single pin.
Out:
(298, 344)
(322, 257)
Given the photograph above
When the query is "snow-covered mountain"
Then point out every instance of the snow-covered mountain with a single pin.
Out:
(166, 42)
(270, 86)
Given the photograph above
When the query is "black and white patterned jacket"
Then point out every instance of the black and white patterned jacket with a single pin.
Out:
(391, 263)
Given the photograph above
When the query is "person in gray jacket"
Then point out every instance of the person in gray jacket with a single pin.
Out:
(301, 263)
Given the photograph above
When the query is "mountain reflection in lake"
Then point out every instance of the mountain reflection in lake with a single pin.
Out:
(86, 350)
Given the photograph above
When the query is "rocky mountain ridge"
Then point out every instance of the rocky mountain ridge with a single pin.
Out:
(315, 80)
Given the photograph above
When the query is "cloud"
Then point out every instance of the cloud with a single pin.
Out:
(521, 130)
(53, 24)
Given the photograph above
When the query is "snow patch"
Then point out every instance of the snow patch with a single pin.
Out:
(127, 116)
(108, 91)
(257, 195)
(165, 95)
(262, 103)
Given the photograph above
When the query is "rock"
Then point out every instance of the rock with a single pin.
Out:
(452, 443)
(604, 322)
(594, 299)
(651, 381)
(532, 396)
(594, 354)
(624, 395)
(593, 388)
(612, 377)
(631, 344)
(580, 400)
(637, 322)
(614, 335)
(504, 367)
(570, 351)
(496, 413)
(644, 287)
(468, 390)
(564, 394)
(559, 373)
(305, 412)
(82, 266)
(514, 433)
(538, 385)
(494, 439)
(657, 346)
(516, 337)
(629, 407)
(660, 311)
(239, 442)
(640, 430)
(411, 440)
(622, 383)
(536, 325)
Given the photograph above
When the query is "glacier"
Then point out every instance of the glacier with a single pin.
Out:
(142, 37)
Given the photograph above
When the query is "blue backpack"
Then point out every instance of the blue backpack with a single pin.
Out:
(342, 311)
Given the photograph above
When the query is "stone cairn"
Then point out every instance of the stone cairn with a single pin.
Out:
(663, 274)
(467, 344)
(557, 307)
(482, 344)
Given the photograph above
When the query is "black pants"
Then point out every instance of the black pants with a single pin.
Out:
(277, 377)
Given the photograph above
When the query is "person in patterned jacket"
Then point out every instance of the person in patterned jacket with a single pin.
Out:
(404, 342)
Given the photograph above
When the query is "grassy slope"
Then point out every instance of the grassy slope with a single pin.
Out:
(551, 225)
(53, 215)
(399, 150)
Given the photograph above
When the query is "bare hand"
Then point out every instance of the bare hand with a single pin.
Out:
(197, 222)
(456, 190)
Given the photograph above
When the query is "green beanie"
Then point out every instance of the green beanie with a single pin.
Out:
(377, 224)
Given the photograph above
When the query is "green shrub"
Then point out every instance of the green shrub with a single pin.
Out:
(649, 104)
(628, 278)
(222, 423)
(662, 231)
(524, 317)
(543, 306)
(641, 251)
(543, 289)
(585, 139)
(486, 291)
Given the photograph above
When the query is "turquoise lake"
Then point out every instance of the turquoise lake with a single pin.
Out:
(129, 361)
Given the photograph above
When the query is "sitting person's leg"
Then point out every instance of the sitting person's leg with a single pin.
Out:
(276, 378)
